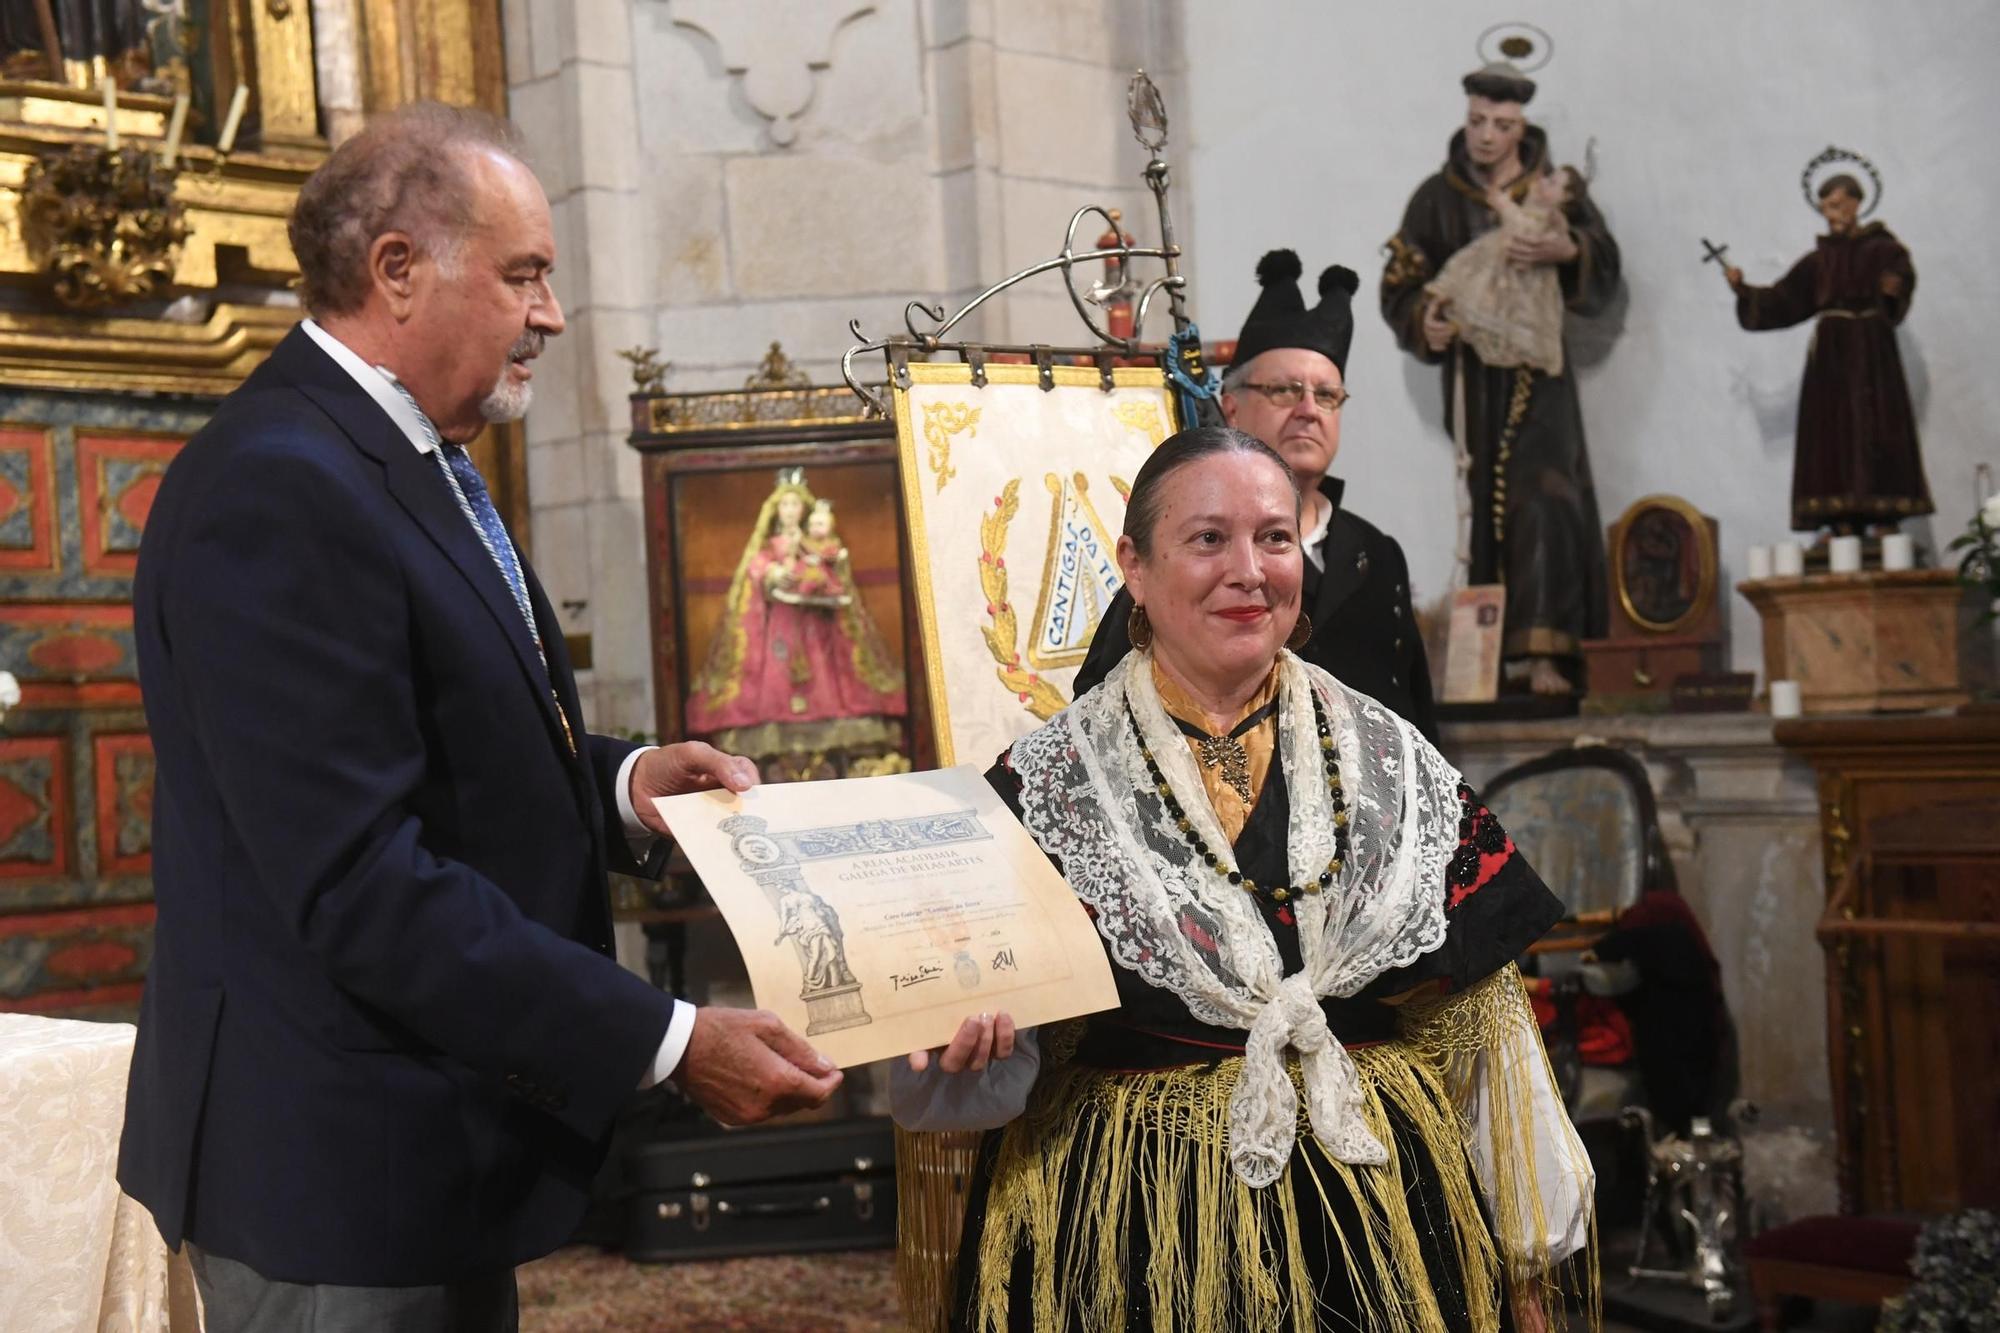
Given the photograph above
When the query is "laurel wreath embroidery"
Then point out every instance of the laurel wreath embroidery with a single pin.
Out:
(1001, 631)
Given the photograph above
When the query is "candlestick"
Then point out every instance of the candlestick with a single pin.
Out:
(110, 113)
(230, 123)
(172, 151)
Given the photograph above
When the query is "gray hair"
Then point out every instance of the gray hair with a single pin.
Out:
(405, 171)
(1142, 510)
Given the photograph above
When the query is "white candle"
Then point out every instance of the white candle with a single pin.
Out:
(1788, 561)
(234, 119)
(110, 113)
(1760, 562)
(172, 151)
(1785, 700)
(1899, 551)
(1844, 555)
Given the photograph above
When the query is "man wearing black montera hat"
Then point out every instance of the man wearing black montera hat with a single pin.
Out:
(1286, 386)
(1534, 524)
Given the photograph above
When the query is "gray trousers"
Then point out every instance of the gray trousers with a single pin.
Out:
(237, 1299)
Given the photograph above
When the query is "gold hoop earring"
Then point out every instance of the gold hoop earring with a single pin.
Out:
(1139, 629)
(1302, 631)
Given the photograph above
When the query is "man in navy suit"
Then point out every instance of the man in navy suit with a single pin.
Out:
(384, 1037)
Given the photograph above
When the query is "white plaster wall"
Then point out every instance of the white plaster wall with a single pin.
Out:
(1313, 122)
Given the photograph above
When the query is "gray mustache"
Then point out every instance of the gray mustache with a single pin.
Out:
(528, 346)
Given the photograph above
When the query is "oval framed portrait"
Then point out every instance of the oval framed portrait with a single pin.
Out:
(1663, 564)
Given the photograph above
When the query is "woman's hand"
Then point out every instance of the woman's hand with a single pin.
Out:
(980, 1040)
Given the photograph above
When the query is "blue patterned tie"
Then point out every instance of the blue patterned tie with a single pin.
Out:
(469, 489)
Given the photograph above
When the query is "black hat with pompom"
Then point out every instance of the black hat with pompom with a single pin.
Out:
(1280, 318)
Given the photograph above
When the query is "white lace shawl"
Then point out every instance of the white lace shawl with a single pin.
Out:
(1087, 799)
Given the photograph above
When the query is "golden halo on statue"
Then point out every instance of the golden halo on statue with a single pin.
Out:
(1522, 45)
(1841, 162)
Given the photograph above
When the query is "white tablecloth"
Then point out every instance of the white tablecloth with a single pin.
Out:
(76, 1255)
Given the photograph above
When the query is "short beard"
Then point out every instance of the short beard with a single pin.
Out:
(506, 400)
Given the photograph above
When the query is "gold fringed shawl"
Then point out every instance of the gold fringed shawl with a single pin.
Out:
(1161, 1139)
(1487, 1048)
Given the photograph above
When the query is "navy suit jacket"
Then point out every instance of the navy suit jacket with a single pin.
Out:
(383, 1037)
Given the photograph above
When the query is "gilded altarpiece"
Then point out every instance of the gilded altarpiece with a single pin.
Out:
(140, 281)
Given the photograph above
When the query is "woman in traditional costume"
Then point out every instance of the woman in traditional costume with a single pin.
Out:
(797, 664)
(1322, 1101)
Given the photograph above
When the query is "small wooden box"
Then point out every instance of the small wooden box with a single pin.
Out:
(1649, 664)
(1876, 641)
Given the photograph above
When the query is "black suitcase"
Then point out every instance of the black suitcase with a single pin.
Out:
(784, 1190)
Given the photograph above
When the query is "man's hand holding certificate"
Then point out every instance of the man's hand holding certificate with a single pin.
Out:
(876, 914)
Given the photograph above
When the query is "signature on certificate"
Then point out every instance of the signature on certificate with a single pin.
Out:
(925, 972)
(1003, 961)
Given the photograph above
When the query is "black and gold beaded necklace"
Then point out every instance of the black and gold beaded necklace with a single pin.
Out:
(1330, 760)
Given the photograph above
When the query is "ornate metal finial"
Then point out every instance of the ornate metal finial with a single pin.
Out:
(791, 476)
(649, 373)
(1817, 170)
(1522, 45)
(776, 371)
(1149, 113)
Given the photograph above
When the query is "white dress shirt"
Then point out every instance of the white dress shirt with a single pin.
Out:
(375, 381)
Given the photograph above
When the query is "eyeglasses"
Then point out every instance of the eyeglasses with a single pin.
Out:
(1289, 393)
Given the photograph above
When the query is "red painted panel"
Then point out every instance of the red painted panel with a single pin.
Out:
(90, 958)
(67, 644)
(124, 763)
(38, 497)
(71, 919)
(117, 477)
(34, 807)
(123, 997)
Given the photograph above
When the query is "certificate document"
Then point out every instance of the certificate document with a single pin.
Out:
(876, 914)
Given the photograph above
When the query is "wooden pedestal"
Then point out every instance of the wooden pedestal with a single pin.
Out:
(1870, 642)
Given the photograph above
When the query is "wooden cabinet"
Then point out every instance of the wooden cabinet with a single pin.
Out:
(1910, 817)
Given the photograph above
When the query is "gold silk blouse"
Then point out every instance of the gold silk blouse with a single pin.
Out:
(1259, 744)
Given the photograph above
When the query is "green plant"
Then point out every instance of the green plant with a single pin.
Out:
(1979, 567)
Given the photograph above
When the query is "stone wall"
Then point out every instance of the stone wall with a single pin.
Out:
(727, 173)
(1740, 819)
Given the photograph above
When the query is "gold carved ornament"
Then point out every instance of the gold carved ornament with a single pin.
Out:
(1142, 416)
(102, 223)
(941, 422)
(1002, 629)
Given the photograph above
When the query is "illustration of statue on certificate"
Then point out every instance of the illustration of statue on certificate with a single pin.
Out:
(808, 922)
(797, 665)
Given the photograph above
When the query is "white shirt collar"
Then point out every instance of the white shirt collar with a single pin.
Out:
(1314, 540)
(378, 382)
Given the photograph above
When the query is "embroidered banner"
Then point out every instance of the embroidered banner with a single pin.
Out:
(1015, 495)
